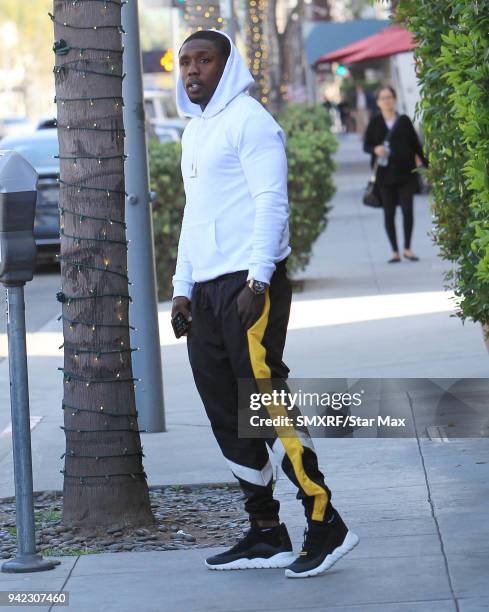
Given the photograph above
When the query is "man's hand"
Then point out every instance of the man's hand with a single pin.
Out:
(181, 304)
(250, 306)
(380, 151)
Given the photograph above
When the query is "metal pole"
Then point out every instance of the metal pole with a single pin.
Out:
(175, 41)
(227, 12)
(231, 20)
(26, 560)
(141, 259)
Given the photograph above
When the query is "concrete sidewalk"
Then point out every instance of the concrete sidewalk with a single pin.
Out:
(418, 506)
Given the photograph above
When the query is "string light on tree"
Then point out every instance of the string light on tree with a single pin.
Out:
(202, 15)
(94, 296)
(256, 32)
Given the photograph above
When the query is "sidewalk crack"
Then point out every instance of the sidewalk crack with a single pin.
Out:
(65, 582)
(432, 506)
(370, 258)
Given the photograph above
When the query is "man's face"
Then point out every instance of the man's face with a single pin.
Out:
(201, 67)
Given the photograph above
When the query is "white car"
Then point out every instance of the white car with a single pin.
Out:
(12, 126)
(169, 130)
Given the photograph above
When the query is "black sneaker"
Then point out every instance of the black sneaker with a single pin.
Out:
(324, 544)
(260, 548)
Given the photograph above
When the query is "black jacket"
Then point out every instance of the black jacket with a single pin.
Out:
(404, 144)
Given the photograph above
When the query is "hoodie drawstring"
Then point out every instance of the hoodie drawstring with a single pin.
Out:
(193, 173)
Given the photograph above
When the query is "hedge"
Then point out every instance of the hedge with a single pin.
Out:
(310, 145)
(167, 185)
(453, 67)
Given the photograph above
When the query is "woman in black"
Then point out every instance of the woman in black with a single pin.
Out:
(392, 140)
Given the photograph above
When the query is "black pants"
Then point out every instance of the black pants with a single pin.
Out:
(402, 195)
(221, 351)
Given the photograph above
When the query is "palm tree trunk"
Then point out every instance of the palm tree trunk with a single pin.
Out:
(104, 481)
(278, 68)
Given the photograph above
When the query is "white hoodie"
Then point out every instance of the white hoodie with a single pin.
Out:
(234, 171)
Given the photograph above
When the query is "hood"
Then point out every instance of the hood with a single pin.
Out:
(235, 79)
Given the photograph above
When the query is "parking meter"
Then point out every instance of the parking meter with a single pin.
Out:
(18, 191)
(18, 182)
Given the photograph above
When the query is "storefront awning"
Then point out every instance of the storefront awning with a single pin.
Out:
(390, 41)
(321, 37)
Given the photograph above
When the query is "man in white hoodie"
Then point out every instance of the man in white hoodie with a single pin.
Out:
(231, 285)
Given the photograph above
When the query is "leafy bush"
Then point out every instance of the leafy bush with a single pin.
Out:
(167, 184)
(310, 144)
(452, 53)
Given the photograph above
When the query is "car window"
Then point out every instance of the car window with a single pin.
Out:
(150, 109)
(13, 121)
(170, 107)
(40, 153)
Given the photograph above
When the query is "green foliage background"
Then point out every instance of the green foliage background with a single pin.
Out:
(33, 52)
(453, 67)
(167, 184)
(310, 145)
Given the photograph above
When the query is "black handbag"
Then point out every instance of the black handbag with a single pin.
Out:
(371, 195)
(422, 186)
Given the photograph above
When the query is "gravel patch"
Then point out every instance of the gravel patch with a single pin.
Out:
(186, 517)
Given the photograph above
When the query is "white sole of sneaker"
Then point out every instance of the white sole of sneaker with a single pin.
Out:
(350, 541)
(279, 560)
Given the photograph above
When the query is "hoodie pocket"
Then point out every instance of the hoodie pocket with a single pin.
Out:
(201, 245)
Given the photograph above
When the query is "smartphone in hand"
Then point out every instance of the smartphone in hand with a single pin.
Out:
(180, 325)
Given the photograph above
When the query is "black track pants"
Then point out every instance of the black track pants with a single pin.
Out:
(392, 196)
(221, 351)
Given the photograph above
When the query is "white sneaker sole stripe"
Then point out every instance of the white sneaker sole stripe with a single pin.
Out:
(279, 560)
(350, 541)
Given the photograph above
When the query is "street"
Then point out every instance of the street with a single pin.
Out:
(40, 300)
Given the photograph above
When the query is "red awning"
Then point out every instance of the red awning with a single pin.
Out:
(339, 54)
(391, 40)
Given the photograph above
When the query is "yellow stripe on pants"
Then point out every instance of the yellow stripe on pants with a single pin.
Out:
(292, 444)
